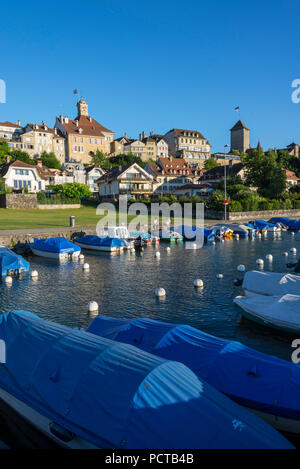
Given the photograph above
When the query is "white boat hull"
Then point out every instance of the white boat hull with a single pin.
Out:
(100, 248)
(56, 255)
(40, 422)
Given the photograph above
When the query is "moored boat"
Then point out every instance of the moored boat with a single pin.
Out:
(278, 312)
(55, 248)
(96, 243)
(11, 263)
(270, 283)
(86, 391)
(265, 384)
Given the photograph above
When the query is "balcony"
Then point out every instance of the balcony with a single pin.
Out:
(135, 190)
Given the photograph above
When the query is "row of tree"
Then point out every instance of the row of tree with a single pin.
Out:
(48, 159)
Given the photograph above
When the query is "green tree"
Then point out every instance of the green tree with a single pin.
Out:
(4, 150)
(210, 163)
(72, 190)
(50, 160)
(124, 160)
(21, 156)
(264, 172)
(99, 158)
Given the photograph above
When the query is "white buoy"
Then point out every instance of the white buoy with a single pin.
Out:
(219, 276)
(259, 261)
(160, 292)
(157, 254)
(285, 254)
(81, 257)
(213, 243)
(85, 267)
(241, 268)
(237, 236)
(168, 249)
(132, 250)
(269, 257)
(194, 246)
(8, 280)
(293, 250)
(198, 283)
(259, 235)
(93, 307)
(34, 274)
(292, 233)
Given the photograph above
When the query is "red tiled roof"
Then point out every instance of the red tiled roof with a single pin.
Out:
(41, 128)
(182, 133)
(10, 124)
(290, 174)
(16, 164)
(93, 128)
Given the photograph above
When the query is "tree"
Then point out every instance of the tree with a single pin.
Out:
(99, 158)
(124, 160)
(263, 171)
(210, 163)
(50, 160)
(72, 190)
(21, 156)
(4, 150)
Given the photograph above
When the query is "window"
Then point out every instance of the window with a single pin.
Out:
(15, 183)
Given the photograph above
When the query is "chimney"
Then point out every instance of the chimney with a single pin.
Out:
(140, 137)
(61, 117)
(43, 123)
(144, 135)
(55, 131)
(76, 123)
(39, 163)
(151, 133)
(66, 120)
(125, 134)
(90, 119)
(19, 123)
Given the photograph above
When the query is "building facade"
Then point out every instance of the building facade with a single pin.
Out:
(131, 180)
(10, 131)
(239, 137)
(188, 144)
(83, 135)
(18, 175)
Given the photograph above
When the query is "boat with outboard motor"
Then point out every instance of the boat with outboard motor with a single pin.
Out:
(80, 390)
(270, 283)
(265, 384)
(95, 243)
(55, 248)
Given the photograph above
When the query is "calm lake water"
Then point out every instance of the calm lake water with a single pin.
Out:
(124, 286)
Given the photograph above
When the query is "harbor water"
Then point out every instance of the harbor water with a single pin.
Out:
(124, 284)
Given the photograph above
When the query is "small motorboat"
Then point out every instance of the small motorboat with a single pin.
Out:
(195, 233)
(12, 264)
(270, 283)
(277, 312)
(55, 248)
(222, 231)
(265, 384)
(83, 391)
(262, 225)
(288, 222)
(145, 238)
(95, 243)
(237, 229)
(168, 236)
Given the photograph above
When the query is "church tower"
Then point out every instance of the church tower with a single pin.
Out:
(240, 137)
(82, 107)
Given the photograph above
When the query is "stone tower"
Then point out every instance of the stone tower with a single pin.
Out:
(82, 107)
(240, 137)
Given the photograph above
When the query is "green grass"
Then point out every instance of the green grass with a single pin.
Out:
(28, 219)
(22, 219)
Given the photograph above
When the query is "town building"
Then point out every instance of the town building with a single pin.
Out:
(171, 173)
(10, 131)
(93, 173)
(188, 144)
(83, 135)
(162, 148)
(189, 190)
(117, 145)
(239, 137)
(131, 180)
(214, 175)
(17, 175)
(293, 149)
(291, 178)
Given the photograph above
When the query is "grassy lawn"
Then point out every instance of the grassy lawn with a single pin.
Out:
(27, 219)
(22, 219)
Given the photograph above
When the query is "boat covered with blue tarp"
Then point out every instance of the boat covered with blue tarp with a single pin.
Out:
(114, 395)
(192, 233)
(261, 382)
(288, 222)
(264, 225)
(11, 263)
(97, 243)
(57, 248)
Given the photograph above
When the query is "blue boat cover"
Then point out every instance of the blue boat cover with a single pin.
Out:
(10, 261)
(251, 378)
(290, 223)
(92, 240)
(137, 234)
(57, 245)
(189, 232)
(261, 224)
(117, 396)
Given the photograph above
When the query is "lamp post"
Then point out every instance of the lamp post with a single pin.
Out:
(225, 189)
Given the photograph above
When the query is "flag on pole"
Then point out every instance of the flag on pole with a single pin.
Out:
(237, 108)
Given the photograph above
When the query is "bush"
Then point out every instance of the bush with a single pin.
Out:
(236, 206)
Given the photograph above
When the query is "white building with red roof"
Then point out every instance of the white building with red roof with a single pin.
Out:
(18, 174)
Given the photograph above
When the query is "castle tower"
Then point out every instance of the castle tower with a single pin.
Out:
(240, 137)
(82, 107)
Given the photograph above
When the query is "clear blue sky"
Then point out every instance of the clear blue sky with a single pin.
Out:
(155, 65)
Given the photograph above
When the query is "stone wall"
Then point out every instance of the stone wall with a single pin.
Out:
(264, 215)
(21, 201)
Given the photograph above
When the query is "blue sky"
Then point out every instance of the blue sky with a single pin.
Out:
(155, 65)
